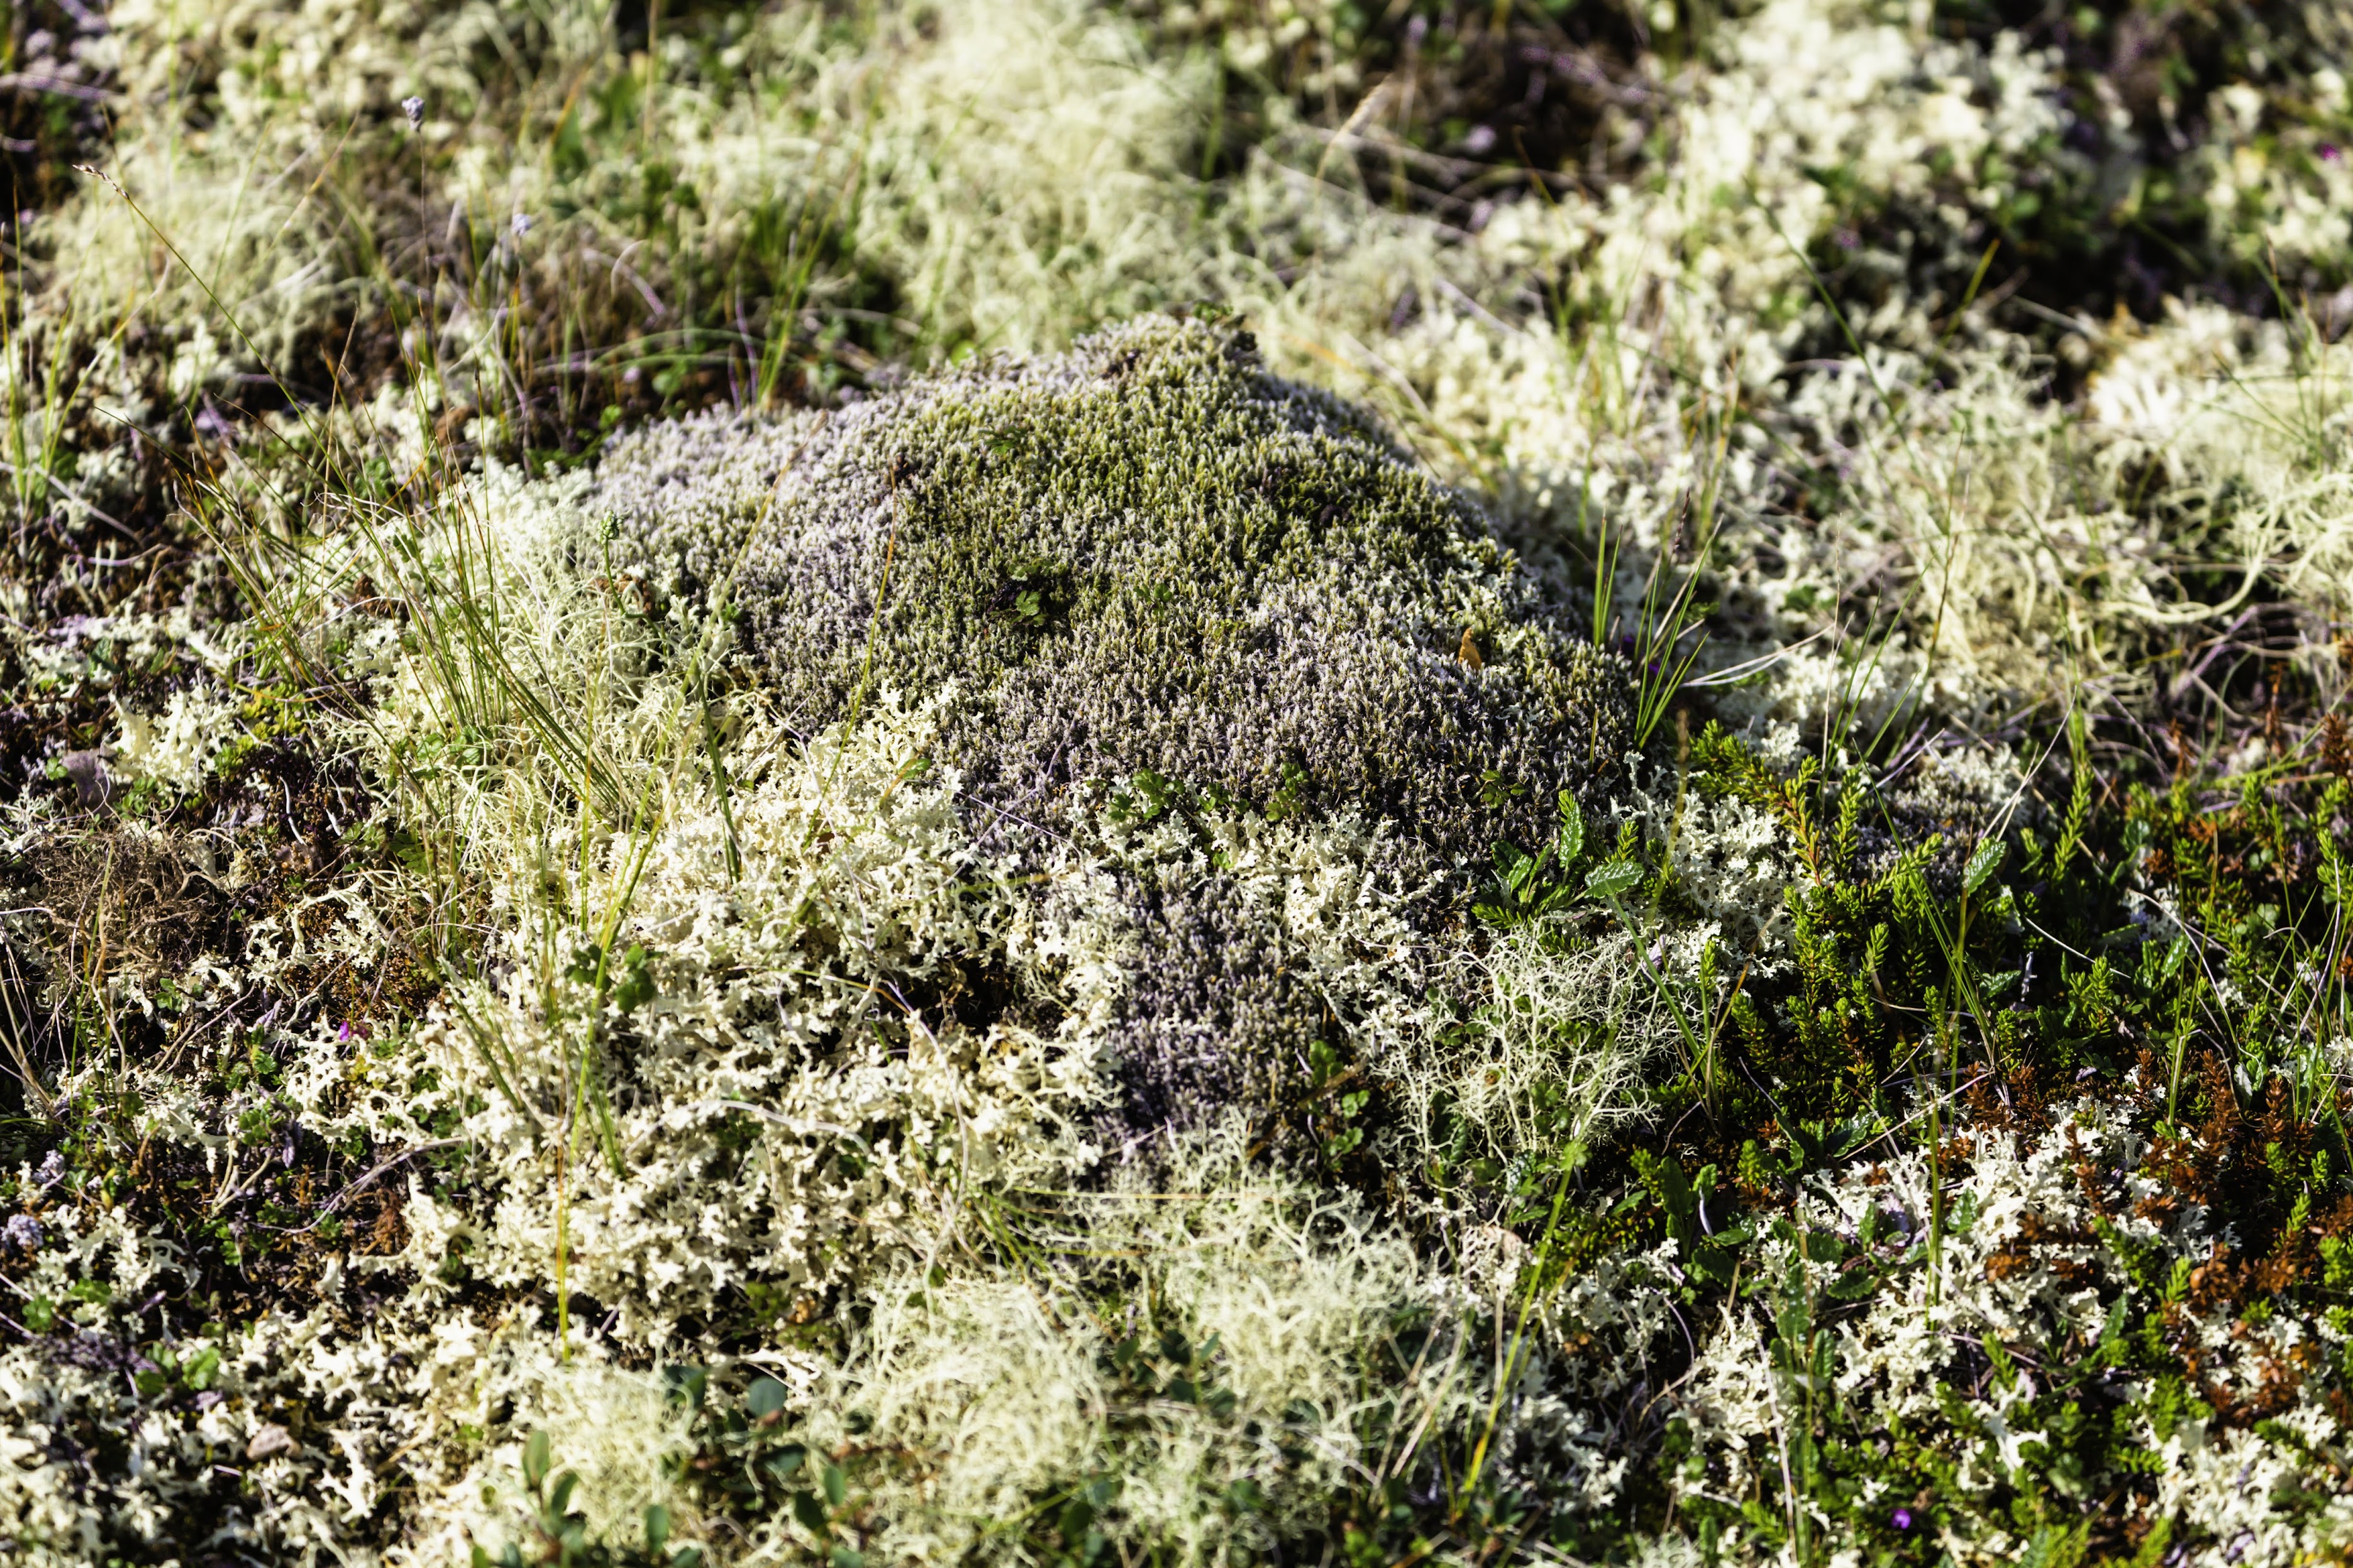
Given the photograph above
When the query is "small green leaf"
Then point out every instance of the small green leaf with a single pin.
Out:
(635, 987)
(1569, 842)
(810, 1512)
(686, 1384)
(1854, 1284)
(1984, 861)
(200, 1369)
(837, 1486)
(535, 1460)
(766, 1398)
(559, 1496)
(1712, 1264)
(657, 1529)
(1616, 877)
(40, 1314)
(1793, 1325)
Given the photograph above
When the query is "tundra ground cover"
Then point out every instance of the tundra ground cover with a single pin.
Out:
(1057, 783)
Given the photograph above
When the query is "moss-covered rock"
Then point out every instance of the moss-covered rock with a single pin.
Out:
(1146, 557)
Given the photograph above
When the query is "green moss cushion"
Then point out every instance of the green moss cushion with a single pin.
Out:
(1147, 556)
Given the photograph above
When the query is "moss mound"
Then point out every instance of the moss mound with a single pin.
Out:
(1145, 559)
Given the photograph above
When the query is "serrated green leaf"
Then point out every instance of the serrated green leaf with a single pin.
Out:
(1610, 879)
(1852, 1286)
(1569, 841)
(1984, 861)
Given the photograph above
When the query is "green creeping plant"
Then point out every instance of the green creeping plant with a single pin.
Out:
(559, 1535)
(1529, 887)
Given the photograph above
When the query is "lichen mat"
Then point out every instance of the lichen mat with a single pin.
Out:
(1039, 784)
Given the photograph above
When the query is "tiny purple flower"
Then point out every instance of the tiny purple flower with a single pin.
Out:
(415, 109)
(344, 1035)
(1902, 1518)
(2329, 153)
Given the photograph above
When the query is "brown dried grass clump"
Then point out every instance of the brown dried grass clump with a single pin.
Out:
(123, 901)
